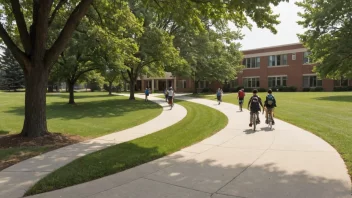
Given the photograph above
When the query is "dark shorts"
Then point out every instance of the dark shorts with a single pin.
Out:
(147, 94)
(219, 97)
(240, 100)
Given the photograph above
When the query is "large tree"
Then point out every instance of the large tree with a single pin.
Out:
(328, 35)
(28, 41)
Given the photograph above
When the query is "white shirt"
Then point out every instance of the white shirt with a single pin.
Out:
(171, 92)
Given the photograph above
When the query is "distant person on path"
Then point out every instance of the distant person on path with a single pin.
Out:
(146, 94)
(240, 97)
(219, 94)
(253, 106)
(171, 95)
(269, 104)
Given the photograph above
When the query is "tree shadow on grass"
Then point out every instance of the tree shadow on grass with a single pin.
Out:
(93, 109)
(78, 96)
(212, 175)
(346, 98)
(3, 132)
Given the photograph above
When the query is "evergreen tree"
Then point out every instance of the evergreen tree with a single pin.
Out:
(12, 77)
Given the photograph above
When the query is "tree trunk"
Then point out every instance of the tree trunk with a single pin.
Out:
(71, 90)
(51, 87)
(132, 88)
(110, 88)
(35, 102)
(196, 82)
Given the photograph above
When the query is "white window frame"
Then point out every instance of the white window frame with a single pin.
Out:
(280, 77)
(256, 63)
(306, 56)
(276, 65)
(340, 82)
(202, 84)
(183, 84)
(294, 56)
(251, 77)
(316, 81)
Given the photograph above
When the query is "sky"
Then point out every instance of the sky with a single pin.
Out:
(287, 29)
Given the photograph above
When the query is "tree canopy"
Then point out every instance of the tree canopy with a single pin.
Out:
(328, 35)
(38, 32)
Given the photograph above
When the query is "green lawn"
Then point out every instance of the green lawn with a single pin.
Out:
(200, 122)
(95, 114)
(326, 114)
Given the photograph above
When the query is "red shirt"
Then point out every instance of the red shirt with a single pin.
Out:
(241, 94)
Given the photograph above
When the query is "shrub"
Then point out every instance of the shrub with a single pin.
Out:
(346, 88)
(261, 90)
(226, 89)
(317, 89)
(306, 89)
(206, 90)
(286, 89)
(248, 89)
(235, 89)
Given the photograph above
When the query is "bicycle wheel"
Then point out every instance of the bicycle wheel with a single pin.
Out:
(254, 120)
(270, 121)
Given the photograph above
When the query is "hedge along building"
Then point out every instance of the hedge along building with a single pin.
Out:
(283, 65)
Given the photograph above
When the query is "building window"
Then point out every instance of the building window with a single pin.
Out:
(252, 62)
(341, 82)
(202, 84)
(294, 56)
(251, 82)
(234, 83)
(311, 81)
(277, 81)
(306, 58)
(182, 84)
(277, 60)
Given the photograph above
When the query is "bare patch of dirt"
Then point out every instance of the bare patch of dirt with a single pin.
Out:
(26, 148)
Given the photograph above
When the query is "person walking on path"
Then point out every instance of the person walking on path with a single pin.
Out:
(219, 94)
(253, 106)
(146, 94)
(240, 97)
(171, 95)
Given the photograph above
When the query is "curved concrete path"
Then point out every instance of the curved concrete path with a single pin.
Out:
(17, 179)
(286, 162)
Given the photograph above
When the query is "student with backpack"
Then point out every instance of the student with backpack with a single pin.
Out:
(269, 104)
(219, 94)
(240, 97)
(146, 94)
(254, 106)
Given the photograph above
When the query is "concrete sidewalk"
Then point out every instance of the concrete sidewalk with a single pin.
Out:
(286, 162)
(17, 179)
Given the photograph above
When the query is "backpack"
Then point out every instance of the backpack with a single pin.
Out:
(255, 103)
(270, 100)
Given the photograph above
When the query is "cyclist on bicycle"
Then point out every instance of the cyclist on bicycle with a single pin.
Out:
(240, 97)
(269, 104)
(171, 95)
(253, 106)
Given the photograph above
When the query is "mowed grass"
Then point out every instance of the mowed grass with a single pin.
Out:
(199, 123)
(95, 114)
(326, 114)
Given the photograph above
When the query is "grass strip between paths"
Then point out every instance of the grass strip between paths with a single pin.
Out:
(200, 122)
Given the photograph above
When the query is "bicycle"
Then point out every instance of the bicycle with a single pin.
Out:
(270, 118)
(254, 120)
